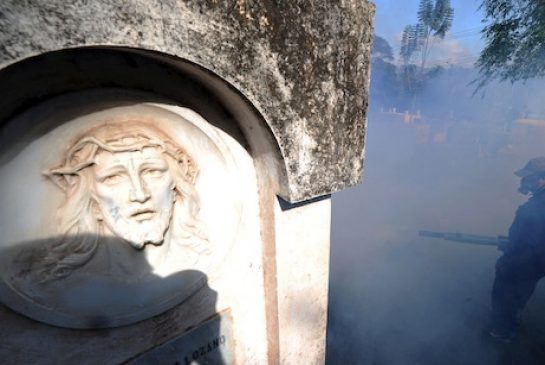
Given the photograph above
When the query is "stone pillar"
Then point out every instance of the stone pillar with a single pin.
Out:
(166, 170)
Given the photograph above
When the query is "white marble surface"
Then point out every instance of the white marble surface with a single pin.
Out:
(302, 259)
(268, 267)
(117, 222)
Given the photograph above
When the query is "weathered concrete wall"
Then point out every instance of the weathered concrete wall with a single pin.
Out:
(303, 65)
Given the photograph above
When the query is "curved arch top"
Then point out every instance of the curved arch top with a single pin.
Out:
(305, 73)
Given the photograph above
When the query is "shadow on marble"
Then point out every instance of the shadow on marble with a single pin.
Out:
(113, 308)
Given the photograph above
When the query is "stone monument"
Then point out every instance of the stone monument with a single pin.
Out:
(165, 175)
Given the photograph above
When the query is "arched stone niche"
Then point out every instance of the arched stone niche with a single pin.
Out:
(55, 73)
(303, 65)
(137, 202)
(285, 90)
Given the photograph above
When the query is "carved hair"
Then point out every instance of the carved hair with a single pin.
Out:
(76, 219)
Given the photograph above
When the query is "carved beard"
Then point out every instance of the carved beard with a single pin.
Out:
(139, 225)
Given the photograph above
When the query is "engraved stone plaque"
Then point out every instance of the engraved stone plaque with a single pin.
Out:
(211, 343)
(112, 216)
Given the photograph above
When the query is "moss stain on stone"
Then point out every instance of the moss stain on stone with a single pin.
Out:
(304, 65)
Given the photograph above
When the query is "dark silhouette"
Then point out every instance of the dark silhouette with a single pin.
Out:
(28, 341)
(522, 265)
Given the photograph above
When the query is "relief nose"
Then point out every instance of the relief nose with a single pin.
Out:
(139, 192)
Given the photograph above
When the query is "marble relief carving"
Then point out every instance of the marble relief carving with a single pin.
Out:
(131, 181)
(127, 212)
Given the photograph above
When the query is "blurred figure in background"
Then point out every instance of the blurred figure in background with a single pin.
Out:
(522, 264)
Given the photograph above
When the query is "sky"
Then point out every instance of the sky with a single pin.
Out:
(462, 44)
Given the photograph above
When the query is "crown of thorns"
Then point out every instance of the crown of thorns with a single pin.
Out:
(83, 153)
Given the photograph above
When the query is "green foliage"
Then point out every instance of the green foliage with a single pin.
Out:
(434, 71)
(382, 49)
(434, 20)
(395, 86)
(411, 42)
(515, 40)
(412, 81)
(384, 80)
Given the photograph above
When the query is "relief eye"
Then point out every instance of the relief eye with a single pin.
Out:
(112, 179)
(154, 172)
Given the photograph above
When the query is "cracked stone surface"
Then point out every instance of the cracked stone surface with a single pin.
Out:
(303, 65)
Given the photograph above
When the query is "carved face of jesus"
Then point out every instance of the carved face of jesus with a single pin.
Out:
(135, 194)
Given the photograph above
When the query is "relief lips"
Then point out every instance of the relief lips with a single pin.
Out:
(143, 214)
